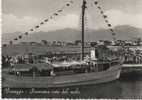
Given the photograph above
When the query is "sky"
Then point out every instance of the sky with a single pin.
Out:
(22, 15)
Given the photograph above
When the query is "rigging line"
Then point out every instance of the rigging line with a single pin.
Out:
(105, 19)
(53, 15)
(46, 20)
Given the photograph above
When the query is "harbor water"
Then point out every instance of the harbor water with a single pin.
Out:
(129, 86)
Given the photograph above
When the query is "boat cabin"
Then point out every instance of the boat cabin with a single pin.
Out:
(64, 68)
(35, 70)
(92, 64)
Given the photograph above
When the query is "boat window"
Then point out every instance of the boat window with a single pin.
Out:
(106, 66)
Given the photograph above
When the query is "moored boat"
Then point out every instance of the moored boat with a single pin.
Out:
(45, 75)
(78, 73)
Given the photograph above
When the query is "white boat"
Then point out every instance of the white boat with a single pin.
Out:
(70, 75)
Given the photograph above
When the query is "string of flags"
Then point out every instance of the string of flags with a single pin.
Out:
(58, 13)
(105, 19)
(43, 22)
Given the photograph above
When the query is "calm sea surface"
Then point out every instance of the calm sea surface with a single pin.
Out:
(128, 86)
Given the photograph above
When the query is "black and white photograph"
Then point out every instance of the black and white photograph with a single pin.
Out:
(71, 49)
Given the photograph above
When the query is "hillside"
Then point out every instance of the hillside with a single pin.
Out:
(122, 32)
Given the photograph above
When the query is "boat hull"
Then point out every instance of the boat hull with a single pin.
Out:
(111, 74)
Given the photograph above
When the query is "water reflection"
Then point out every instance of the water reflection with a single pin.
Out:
(128, 86)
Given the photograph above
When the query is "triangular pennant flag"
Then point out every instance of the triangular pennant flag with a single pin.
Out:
(20, 36)
(46, 20)
(99, 7)
(68, 4)
(36, 26)
(41, 23)
(111, 30)
(101, 12)
(31, 30)
(104, 16)
(51, 17)
(96, 2)
(106, 21)
(109, 25)
(26, 33)
(60, 10)
(16, 39)
(55, 14)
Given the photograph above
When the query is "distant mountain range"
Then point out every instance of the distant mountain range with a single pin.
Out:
(122, 32)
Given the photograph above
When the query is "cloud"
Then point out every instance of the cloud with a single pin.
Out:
(11, 23)
(115, 17)
(118, 17)
(66, 21)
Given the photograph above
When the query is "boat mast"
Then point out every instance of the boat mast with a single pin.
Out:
(83, 13)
